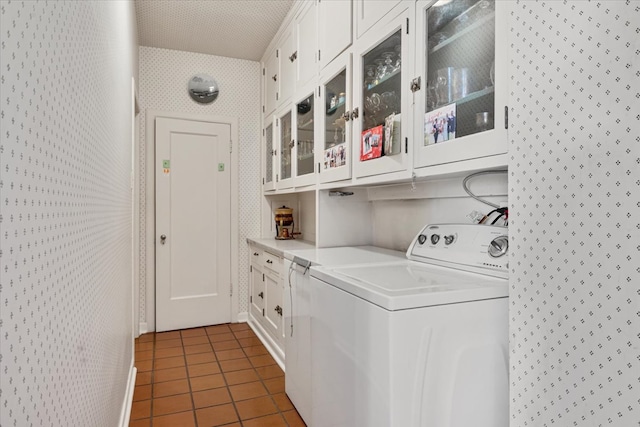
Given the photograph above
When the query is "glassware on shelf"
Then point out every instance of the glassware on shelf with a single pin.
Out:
(380, 69)
(370, 75)
(388, 63)
(398, 63)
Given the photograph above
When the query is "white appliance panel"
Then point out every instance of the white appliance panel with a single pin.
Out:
(370, 365)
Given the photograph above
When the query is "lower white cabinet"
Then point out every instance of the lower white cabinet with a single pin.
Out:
(266, 310)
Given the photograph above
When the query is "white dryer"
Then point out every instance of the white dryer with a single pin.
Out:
(420, 342)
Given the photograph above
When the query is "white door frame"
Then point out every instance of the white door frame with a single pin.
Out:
(150, 193)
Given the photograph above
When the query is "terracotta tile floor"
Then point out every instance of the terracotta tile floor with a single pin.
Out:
(213, 376)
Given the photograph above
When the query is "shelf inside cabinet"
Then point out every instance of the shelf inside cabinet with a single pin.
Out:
(305, 125)
(334, 108)
(384, 79)
(477, 24)
(305, 156)
(472, 96)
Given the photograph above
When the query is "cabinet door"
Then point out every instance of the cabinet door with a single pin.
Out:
(304, 137)
(383, 100)
(461, 106)
(273, 307)
(271, 80)
(268, 180)
(335, 125)
(306, 46)
(334, 29)
(257, 292)
(370, 12)
(284, 171)
(287, 68)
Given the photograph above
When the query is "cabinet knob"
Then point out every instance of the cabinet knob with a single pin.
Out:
(261, 295)
(275, 77)
(256, 254)
(269, 261)
(293, 56)
(354, 113)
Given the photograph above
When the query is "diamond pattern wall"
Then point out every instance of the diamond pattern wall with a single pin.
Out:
(575, 213)
(66, 222)
(163, 86)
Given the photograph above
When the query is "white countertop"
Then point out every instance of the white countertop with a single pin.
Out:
(278, 247)
(345, 255)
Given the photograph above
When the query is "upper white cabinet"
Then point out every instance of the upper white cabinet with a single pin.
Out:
(306, 34)
(461, 106)
(369, 12)
(382, 113)
(286, 57)
(278, 74)
(335, 20)
(284, 143)
(271, 79)
(335, 135)
(304, 136)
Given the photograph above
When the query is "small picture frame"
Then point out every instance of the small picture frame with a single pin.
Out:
(440, 125)
(335, 156)
(371, 143)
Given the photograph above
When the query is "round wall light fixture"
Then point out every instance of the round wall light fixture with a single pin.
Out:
(203, 88)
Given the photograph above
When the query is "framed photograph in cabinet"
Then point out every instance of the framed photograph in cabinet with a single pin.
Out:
(371, 143)
(440, 125)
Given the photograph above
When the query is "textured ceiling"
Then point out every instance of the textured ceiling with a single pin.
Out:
(232, 28)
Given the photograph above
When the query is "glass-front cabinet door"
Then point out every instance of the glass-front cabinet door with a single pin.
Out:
(463, 81)
(284, 172)
(305, 141)
(335, 124)
(268, 181)
(382, 110)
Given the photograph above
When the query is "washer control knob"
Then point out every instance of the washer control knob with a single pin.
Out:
(435, 238)
(449, 239)
(422, 238)
(499, 246)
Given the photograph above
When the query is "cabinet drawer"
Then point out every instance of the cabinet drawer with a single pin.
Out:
(272, 262)
(256, 256)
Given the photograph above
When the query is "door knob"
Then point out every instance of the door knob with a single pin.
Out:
(163, 239)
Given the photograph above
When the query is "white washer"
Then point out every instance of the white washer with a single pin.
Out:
(421, 342)
(297, 311)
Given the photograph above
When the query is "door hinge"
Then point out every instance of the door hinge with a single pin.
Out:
(262, 181)
(415, 84)
(406, 145)
(251, 266)
(277, 52)
(251, 298)
(231, 146)
(318, 167)
(318, 54)
(263, 277)
(263, 72)
(407, 25)
(276, 96)
(231, 291)
(318, 91)
(263, 311)
(276, 177)
(263, 108)
(506, 117)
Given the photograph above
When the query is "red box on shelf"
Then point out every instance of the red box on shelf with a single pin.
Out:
(371, 143)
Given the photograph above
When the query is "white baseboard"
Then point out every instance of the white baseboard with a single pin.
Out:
(125, 415)
(274, 349)
(243, 317)
(143, 328)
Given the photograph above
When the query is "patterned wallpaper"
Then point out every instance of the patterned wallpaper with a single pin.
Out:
(575, 223)
(65, 255)
(163, 80)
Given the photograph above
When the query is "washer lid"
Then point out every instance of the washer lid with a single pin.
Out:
(406, 285)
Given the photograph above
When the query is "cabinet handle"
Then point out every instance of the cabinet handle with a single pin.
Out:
(278, 310)
(293, 56)
(269, 261)
(346, 116)
(256, 254)
(275, 77)
(354, 114)
(261, 295)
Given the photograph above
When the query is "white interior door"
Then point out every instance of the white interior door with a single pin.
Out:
(193, 223)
